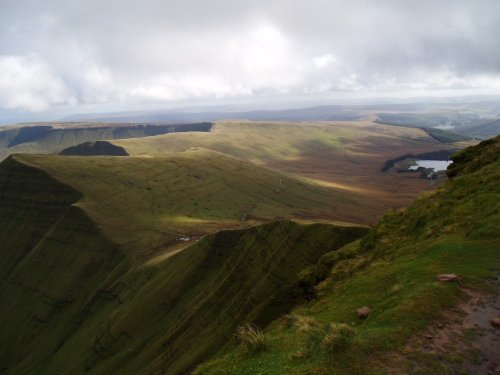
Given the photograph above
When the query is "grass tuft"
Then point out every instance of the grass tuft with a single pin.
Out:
(304, 323)
(251, 338)
(338, 337)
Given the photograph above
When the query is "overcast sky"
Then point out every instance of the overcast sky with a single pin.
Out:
(73, 55)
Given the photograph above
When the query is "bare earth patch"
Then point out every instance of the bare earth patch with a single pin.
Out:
(462, 342)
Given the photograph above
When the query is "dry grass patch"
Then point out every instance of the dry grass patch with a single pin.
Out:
(251, 338)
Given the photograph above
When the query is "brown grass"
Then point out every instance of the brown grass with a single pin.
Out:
(251, 338)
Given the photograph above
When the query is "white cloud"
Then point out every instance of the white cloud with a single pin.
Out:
(27, 83)
(155, 51)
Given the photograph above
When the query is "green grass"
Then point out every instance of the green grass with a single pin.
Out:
(393, 271)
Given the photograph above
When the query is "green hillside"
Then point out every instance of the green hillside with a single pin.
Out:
(393, 271)
(53, 259)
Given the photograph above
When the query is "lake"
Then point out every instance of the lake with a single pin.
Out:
(437, 165)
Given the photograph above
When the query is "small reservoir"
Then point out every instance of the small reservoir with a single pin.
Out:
(437, 165)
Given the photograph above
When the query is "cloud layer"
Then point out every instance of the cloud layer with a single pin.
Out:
(108, 52)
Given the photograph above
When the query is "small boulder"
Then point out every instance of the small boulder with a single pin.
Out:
(447, 277)
(363, 312)
(495, 322)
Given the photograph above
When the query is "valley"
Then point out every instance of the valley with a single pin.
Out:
(122, 263)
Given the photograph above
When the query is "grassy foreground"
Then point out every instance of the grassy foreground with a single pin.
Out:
(393, 272)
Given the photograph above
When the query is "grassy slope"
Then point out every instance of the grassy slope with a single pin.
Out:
(393, 271)
(168, 320)
(146, 203)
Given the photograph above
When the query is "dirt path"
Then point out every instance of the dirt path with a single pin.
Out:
(462, 342)
(479, 312)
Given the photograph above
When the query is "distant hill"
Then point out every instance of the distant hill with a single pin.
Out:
(485, 130)
(325, 113)
(446, 126)
(95, 148)
(461, 109)
(50, 138)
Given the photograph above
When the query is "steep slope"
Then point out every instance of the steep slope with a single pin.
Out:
(74, 304)
(167, 316)
(393, 272)
(52, 259)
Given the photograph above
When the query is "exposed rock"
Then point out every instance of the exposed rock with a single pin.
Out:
(495, 322)
(447, 277)
(363, 312)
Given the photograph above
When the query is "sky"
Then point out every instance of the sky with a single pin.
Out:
(69, 56)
